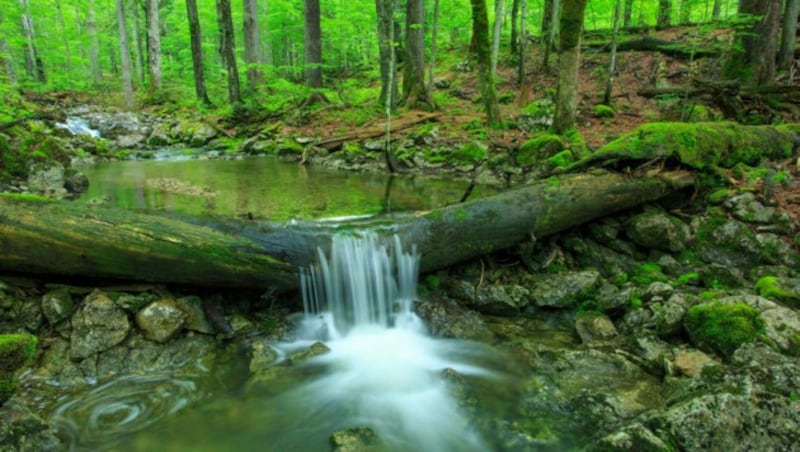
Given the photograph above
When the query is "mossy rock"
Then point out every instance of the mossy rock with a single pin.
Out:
(773, 288)
(16, 351)
(472, 152)
(723, 327)
(604, 111)
(562, 159)
(538, 148)
(704, 145)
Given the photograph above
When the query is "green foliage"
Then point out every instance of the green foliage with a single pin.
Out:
(772, 288)
(649, 272)
(688, 278)
(562, 159)
(472, 152)
(723, 327)
(16, 351)
(604, 111)
(538, 148)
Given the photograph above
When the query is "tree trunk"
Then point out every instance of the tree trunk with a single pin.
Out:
(571, 25)
(716, 10)
(386, 38)
(514, 27)
(64, 38)
(523, 44)
(686, 12)
(547, 16)
(7, 58)
(94, 44)
(497, 28)
(138, 48)
(434, 44)
(612, 64)
(252, 45)
(552, 31)
(313, 44)
(664, 13)
(628, 14)
(197, 52)
(759, 42)
(33, 62)
(788, 34)
(480, 33)
(76, 240)
(125, 56)
(226, 49)
(415, 91)
(153, 45)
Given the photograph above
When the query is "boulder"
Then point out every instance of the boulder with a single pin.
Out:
(161, 320)
(656, 229)
(57, 305)
(97, 326)
(202, 135)
(593, 327)
(564, 289)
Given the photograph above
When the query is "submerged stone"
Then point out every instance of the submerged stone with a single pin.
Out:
(98, 325)
(356, 439)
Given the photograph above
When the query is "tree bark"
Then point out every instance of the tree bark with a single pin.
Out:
(759, 42)
(138, 48)
(612, 63)
(62, 238)
(663, 19)
(125, 56)
(496, 29)
(552, 29)
(386, 39)
(7, 58)
(627, 14)
(415, 91)
(313, 44)
(523, 44)
(197, 52)
(33, 62)
(571, 25)
(252, 45)
(480, 33)
(716, 9)
(434, 45)
(153, 45)
(226, 49)
(64, 38)
(788, 34)
(514, 27)
(94, 43)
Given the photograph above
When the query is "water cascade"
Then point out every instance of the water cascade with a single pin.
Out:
(78, 126)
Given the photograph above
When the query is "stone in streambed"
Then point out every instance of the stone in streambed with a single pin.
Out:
(161, 320)
(97, 326)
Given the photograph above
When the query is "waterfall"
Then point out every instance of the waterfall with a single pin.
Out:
(362, 282)
(78, 126)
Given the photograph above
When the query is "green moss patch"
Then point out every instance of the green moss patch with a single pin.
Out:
(16, 351)
(723, 327)
(771, 287)
(604, 111)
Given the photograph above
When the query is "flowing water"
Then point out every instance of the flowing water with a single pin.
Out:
(78, 126)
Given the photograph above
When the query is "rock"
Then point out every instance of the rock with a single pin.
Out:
(657, 230)
(782, 289)
(591, 254)
(357, 439)
(594, 327)
(16, 351)
(691, 362)
(23, 430)
(202, 135)
(97, 326)
(57, 305)
(716, 275)
(48, 181)
(493, 299)
(668, 317)
(634, 438)
(135, 140)
(314, 350)
(745, 207)
(196, 319)
(651, 353)
(730, 422)
(447, 318)
(657, 291)
(161, 320)
(113, 125)
(258, 145)
(160, 136)
(564, 289)
(75, 182)
(782, 324)
(262, 355)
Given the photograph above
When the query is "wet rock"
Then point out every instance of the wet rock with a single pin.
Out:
(783, 289)
(48, 181)
(767, 368)
(23, 430)
(112, 125)
(161, 320)
(75, 182)
(447, 318)
(564, 289)
(656, 229)
(492, 299)
(196, 319)
(97, 326)
(650, 353)
(634, 438)
(730, 422)
(593, 327)
(591, 254)
(657, 291)
(160, 136)
(57, 305)
(668, 316)
(202, 135)
(716, 275)
(133, 303)
(745, 207)
(258, 145)
(316, 349)
(782, 324)
(357, 439)
(131, 141)
(262, 355)
(691, 362)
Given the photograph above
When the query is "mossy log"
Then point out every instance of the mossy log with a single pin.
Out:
(676, 49)
(701, 146)
(62, 238)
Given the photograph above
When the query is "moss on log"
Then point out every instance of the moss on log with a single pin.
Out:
(62, 238)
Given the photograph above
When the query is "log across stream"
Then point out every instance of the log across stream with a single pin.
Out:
(78, 240)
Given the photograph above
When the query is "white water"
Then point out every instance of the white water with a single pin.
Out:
(78, 126)
(383, 369)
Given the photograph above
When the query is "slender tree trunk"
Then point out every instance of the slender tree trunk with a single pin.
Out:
(6, 58)
(153, 45)
(389, 94)
(612, 65)
(227, 49)
(552, 31)
(547, 16)
(788, 34)
(686, 12)
(415, 91)
(80, 31)
(513, 48)
(94, 44)
(64, 37)
(759, 43)
(252, 45)
(628, 14)
(571, 25)
(716, 10)
(498, 26)
(434, 44)
(197, 52)
(480, 32)
(523, 44)
(33, 62)
(125, 56)
(138, 46)
(313, 44)
(664, 13)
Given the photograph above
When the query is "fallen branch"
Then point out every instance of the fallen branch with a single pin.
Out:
(379, 130)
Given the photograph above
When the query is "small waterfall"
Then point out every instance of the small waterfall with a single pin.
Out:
(78, 126)
(363, 282)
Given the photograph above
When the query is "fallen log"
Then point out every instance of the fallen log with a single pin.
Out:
(62, 238)
(676, 49)
(376, 131)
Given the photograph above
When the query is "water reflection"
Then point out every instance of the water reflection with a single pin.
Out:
(265, 188)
